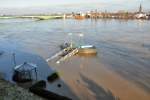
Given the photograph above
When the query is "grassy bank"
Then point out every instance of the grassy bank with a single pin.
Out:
(10, 91)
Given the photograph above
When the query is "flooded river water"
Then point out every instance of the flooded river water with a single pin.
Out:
(120, 70)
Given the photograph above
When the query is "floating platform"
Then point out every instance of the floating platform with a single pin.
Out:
(87, 50)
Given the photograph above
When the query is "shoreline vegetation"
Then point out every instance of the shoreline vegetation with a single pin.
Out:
(9, 91)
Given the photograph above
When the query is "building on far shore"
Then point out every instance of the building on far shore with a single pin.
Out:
(140, 14)
(79, 16)
(121, 14)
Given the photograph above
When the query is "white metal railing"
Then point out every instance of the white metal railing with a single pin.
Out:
(58, 54)
(75, 51)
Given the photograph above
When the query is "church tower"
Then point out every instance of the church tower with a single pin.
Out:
(140, 9)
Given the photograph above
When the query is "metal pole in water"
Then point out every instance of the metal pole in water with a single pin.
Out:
(14, 59)
(71, 39)
(81, 35)
(36, 73)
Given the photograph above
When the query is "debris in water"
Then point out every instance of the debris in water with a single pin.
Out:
(53, 77)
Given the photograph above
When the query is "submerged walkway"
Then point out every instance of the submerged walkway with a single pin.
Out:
(64, 54)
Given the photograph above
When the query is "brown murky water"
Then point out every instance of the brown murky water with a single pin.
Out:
(93, 80)
(120, 70)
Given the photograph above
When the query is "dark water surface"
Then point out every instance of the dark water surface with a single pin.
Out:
(123, 54)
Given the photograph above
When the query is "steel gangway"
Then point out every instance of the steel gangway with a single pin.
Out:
(72, 53)
(59, 54)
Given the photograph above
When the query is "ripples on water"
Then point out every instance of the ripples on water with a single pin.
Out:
(124, 46)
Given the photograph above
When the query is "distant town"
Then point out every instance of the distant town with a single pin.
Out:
(94, 14)
(118, 15)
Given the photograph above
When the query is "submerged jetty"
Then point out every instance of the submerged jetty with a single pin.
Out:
(69, 51)
(64, 54)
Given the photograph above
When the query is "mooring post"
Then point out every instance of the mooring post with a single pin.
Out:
(36, 74)
(14, 59)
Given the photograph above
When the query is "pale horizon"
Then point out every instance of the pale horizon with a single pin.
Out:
(50, 6)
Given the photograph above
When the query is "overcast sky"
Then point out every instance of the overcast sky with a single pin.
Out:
(43, 5)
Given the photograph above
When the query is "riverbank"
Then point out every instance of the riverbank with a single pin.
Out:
(57, 87)
(9, 91)
(39, 17)
(93, 16)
